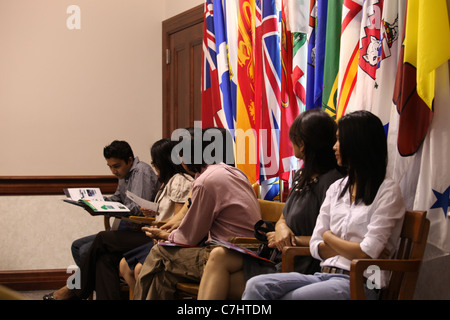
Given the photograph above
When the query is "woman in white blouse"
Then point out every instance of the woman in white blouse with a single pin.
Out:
(361, 217)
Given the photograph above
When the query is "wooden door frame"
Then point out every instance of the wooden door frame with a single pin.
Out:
(179, 22)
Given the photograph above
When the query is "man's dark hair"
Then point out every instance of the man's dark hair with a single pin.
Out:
(120, 150)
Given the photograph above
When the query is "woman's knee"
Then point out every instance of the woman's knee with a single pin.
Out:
(124, 267)
(218, 255)
(221, 257)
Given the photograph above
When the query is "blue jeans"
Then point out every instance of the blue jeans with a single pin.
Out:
(297, 286)
(80, 247)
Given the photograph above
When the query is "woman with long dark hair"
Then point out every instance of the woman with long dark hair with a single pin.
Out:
(175, 188)
(361, 217)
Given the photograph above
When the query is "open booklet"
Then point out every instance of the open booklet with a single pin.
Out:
(235, 247)
(92, 200)
(223, 243)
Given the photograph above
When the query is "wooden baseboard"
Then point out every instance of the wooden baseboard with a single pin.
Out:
(27, 280)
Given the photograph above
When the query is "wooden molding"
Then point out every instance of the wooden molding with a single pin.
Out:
(27, 280)
(54, 185)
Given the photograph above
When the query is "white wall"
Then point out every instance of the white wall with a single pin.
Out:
(64, 95)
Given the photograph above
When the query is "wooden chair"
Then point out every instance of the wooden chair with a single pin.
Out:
(404, 266)
(270, 211)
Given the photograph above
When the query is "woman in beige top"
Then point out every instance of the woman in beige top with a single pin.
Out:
(175, 188)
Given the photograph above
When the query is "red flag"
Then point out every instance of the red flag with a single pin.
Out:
(289, 106)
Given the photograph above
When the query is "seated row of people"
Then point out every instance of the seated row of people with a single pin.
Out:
(341, 204)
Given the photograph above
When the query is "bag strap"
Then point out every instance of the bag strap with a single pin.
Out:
(261, 229)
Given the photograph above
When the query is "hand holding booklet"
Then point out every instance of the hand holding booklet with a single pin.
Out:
(91, 199)
(142, 202)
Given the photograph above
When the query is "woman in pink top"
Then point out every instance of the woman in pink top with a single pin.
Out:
(222, 204)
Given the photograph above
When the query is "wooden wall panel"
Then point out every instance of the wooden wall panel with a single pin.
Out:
(53, 185)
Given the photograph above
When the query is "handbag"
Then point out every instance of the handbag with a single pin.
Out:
(262, 227)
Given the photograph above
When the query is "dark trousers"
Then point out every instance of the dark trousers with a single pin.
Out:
(99, 269)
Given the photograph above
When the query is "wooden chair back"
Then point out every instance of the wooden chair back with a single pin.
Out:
(405, 265)
(270, 210)
(413, 240)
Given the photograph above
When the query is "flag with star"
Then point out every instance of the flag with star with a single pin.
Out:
(433, 187)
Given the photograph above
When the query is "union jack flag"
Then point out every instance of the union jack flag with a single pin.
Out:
(271, 99)
(211, 102)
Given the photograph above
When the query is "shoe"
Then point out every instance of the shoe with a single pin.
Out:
(48, 297)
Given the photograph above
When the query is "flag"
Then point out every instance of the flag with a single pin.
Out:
(419, 58)
(289, 106)
(391, 31)
(210, 98)
(246, 126)
(369, 53)
(271, 94)
(260, 104)
(433, 187)
(331, 63)
(423, 171)
(321, 34)
(297, 19)
(228, 112)
(232, 17)
(349, 54)
(310, 70)
(316, 53)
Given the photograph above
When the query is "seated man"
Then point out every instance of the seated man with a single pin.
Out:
(222, 204)
(135, 176)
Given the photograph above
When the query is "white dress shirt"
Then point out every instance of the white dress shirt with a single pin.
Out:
(375, 227)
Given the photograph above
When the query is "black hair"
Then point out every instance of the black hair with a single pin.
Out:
(120, 150)
(161, 152)
(226, 143)
(363, 151)
(317, 130)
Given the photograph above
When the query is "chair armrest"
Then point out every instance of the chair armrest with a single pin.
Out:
(288, 257)
(239, 240)
(358, 266)
(246, 242)
(140, 219)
